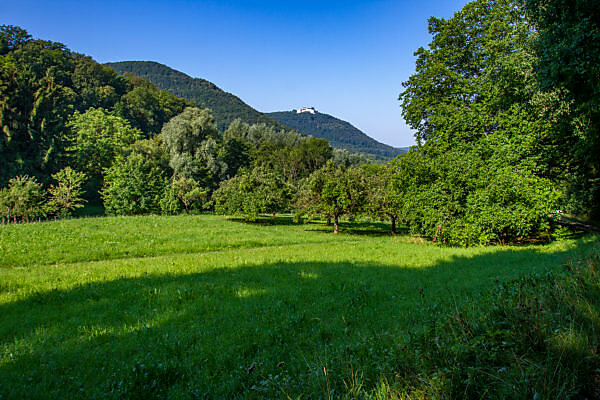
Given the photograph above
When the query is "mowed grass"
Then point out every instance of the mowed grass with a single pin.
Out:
(205, 307)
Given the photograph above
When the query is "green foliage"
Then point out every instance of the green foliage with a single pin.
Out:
(22, 200)
(384, 198)
(333, 191)
(35, 103)
(457, 198)
(98, 136)
(226, 107)
(258, 134)
(252, 193)
(42, 85)
(189, 193)
(192, 141)
(475, 78)
(133, 185)
(347, 159)
(147, 107)
(11, 37)
(65, 195)
(485, 170)
(567, 69)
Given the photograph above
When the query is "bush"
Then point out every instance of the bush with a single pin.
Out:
(65, 195)
(460, 198)
(22, 199)
(133, 185)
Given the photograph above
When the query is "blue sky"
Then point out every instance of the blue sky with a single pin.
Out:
(346, 58)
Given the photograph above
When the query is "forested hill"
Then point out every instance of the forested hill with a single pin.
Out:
(340, 134)
(225, 106)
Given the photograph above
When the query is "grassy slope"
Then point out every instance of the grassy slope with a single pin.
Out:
(204, 307)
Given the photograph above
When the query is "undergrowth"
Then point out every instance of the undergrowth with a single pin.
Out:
(533, 338)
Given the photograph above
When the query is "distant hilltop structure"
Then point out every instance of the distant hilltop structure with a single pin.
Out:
(306, 110)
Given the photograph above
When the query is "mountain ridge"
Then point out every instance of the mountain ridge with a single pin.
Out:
(339, 133)
(226, 107)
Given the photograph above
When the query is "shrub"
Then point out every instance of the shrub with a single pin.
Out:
(65, 195)
(133, 185)
(22, 199)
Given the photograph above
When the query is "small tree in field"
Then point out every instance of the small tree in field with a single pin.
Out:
(188, 192)
(384, 198)
(22, 199)
(252, 193)
(65, 195)
(335, 191)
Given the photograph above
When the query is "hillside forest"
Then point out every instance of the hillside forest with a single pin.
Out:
(504, 102)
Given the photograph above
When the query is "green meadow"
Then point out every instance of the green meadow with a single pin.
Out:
(206, 307)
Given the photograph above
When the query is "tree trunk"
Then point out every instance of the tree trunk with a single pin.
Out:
(328, 220)
(394, 225)
(335, 224)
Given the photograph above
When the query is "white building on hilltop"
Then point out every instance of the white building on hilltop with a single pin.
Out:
(306, 109)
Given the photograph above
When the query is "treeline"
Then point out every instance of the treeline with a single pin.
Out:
(503, 145)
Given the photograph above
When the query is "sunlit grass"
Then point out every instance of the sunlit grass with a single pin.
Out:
(204, 307)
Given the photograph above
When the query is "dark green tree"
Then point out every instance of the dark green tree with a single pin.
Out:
(568, 70)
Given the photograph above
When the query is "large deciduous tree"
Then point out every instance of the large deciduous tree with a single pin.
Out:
(568, 70)
(192, 140)
(480, 121)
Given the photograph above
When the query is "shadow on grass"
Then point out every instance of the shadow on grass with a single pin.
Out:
(346, 227)
(254, 331)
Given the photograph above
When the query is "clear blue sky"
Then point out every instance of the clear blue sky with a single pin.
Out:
(346, 58)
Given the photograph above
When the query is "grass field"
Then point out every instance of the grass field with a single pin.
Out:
(204, 307)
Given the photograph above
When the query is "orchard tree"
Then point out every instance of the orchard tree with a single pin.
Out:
(335, 191)
(252, 193)
(384, 198)
(189, 192)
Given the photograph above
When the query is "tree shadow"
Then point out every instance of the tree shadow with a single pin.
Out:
(251, 331)
(315, 225)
